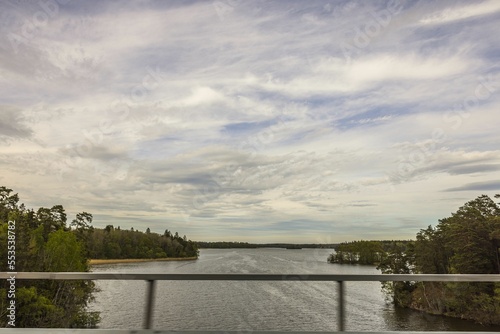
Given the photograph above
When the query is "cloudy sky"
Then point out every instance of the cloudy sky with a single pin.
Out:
(259, 121)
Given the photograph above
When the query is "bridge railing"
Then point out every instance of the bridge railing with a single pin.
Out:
(340, 279)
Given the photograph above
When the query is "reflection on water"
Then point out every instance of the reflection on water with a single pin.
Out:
(220, 305)
(410, 320)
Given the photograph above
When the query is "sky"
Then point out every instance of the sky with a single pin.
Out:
(258, 121)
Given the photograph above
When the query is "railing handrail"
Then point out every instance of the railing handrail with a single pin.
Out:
(255, 277)
(151, 278)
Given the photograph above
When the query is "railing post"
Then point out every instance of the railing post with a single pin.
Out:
(341, 314)
(148, 320)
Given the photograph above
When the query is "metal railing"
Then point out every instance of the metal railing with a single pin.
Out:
(340, 279)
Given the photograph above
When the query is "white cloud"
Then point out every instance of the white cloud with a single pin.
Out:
(451, 14)
(252, 120)
(201, 96)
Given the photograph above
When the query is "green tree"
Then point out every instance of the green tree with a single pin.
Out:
(111, 243)
(465, 243)
(431, 255)
(44, 243)
(399, 259)
(64, 253)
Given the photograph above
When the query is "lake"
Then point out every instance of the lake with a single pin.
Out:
(258, 305)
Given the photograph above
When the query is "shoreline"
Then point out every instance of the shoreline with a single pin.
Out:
(94, 262)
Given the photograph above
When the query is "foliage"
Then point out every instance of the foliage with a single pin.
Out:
(115, 243)
(468, 242)
(398, 259)
(44, 243)
(358, 252)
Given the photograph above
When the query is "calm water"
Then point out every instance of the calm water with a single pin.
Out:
(219, 305)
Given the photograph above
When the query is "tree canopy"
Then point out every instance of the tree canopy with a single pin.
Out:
(44, 243)
(115, 243)
(467, 242)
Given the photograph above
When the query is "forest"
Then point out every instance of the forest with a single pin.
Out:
(115, 243)
(46, 242)
(467, 242)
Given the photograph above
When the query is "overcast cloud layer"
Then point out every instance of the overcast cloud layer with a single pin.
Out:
(259, 121)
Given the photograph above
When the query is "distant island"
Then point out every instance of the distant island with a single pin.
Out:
(370, 252)
(236, 244)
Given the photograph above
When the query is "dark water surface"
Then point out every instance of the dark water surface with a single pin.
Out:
(222, 305)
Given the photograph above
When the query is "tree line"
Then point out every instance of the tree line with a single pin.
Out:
(237, 244)
(467, 242)
(46, 242)
(369, 252)
(115, 243)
